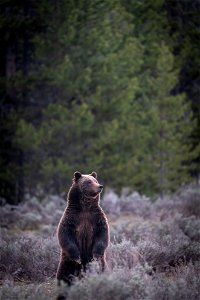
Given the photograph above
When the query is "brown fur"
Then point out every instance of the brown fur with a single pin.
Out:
(83, 232)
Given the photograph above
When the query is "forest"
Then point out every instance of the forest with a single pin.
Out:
(109, 86)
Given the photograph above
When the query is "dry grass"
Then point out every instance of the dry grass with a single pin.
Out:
(154, 251)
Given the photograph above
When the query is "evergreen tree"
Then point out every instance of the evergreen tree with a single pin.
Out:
(17, 27)
(171, 126)
(95, 83)
(183, 20)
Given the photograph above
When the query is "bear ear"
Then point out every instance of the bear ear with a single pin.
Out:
(94, 174)
(77, 175)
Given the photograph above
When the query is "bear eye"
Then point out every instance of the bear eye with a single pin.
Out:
(89, 181)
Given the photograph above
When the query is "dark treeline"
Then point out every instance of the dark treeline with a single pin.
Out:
(111, 86)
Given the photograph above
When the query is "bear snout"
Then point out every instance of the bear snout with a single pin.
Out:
(101, 187)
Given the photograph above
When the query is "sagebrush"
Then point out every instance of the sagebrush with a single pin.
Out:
(154, 251)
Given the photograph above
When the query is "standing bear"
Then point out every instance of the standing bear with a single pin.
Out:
(83, 231)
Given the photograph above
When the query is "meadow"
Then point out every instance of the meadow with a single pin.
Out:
(154, 252)
(111, 86)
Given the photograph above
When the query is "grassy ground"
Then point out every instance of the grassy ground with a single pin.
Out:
(154, 251)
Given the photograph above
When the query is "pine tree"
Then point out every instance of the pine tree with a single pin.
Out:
(17, 27)
(171, 127)
(94, 88)
(183, 20)
(95, 83)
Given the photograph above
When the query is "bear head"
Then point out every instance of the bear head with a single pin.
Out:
(87, 184)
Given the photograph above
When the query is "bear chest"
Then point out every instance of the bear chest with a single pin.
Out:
(85, 226)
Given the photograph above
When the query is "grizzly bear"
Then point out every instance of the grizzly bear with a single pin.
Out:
(83, 231)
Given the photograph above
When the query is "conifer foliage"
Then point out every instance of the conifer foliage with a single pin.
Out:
(95, 85)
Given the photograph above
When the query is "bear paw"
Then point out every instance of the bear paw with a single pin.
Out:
(77, 260)
(96, 256)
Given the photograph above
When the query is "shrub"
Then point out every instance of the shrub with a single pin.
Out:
(32, 214)
(29, 259)
(120, 284)
(183, 284)
(164, 247)
(45, 291)
(191, 228)
(186, 201)
(163, 236)
(123, 255)
(130, 202)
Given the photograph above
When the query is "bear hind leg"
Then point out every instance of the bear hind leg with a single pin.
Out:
(67, 270)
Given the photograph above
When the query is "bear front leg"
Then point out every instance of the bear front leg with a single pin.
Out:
(67, 241)
(100, 242)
